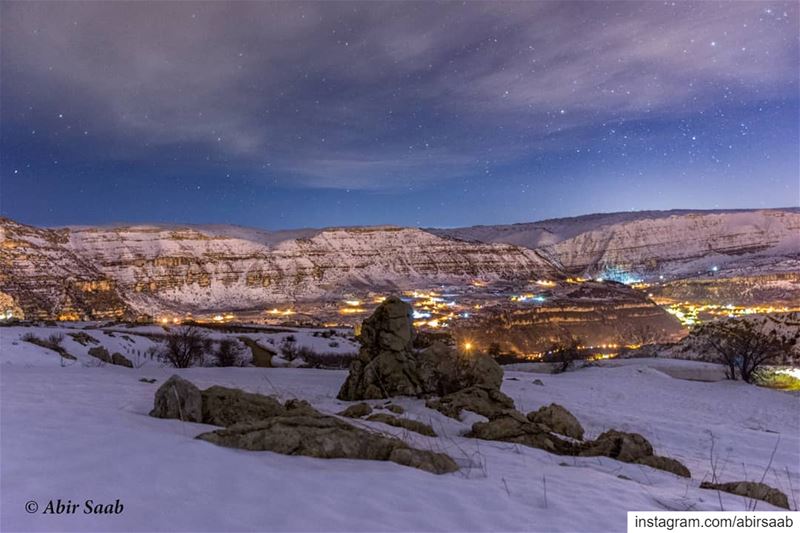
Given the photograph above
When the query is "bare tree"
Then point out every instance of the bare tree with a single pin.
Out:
(184, 346)
(744, 345)
(564, 352)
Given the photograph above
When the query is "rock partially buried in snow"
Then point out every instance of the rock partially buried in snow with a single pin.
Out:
(559, 420)
(538, 430)
(665, 463)
(486, 401)
(405, 423)
(257, 422)
(751, 489)
(626, 447)
(357, 410)
(120, 360)
(326, 437)
(513, 426)
(178, 398)
(224, 407)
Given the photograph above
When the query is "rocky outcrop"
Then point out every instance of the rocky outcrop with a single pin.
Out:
(513, 426)
(178, 398)
(485, 401)
(752, 490)
(539, 430)
(257, 422)
(223, 406)
(443, 370)
(387, 364)
(558, 419)
(326, 437)
(405, 423)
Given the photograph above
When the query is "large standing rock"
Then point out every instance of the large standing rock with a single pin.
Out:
(559, 420)
(486, 401)
(178, 398)
(626, 447)
(224, 407)
(751, 489)
(385, 365)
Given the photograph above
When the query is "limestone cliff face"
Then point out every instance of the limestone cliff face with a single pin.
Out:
(652, 243)
(104, 272)
(682, 245)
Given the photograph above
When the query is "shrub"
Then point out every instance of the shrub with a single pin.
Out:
(228, 353)
(288, 348)
(183, 347)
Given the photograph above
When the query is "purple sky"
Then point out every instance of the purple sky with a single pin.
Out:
(435, 114)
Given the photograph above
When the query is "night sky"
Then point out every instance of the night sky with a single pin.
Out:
(282, 115)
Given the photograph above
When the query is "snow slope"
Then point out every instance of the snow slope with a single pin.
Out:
(77, 433)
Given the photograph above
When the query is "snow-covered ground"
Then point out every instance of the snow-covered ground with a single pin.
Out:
(82, 432)
(134, 342)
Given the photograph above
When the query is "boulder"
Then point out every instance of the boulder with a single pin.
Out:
(328, 438)
(538, 382)
(444, 370)
(120, 360)
(405, 423)
(752, 490)
(665, 463)
(224, 407)
(396, 409)
(433, 462)
(513, 426)
(100, 353)
(486, 401)
(178, 398)
(357, 411)
(626, 447)
(559, 420)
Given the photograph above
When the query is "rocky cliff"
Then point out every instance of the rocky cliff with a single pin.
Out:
(107, 272)
(676, 244)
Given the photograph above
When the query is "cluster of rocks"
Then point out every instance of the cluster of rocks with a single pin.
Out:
(115, 358)
(258, 422)
(387, 365)
(554, 429)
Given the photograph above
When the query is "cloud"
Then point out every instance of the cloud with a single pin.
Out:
(369, 95)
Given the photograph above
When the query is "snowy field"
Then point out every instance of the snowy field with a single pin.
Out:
(82, 432)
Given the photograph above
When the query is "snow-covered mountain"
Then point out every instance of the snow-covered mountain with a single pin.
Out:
(104, 272)
(654, 243)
